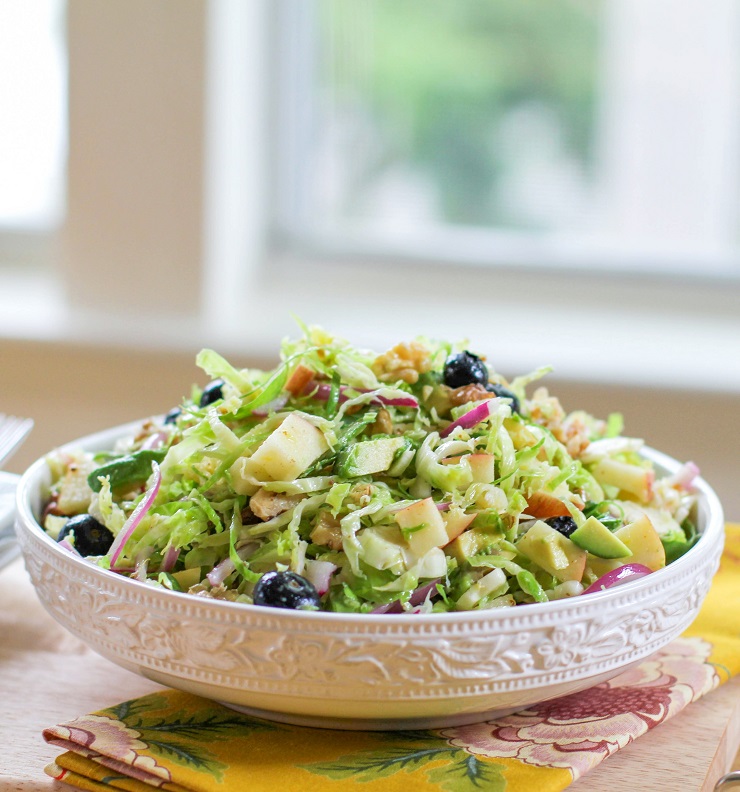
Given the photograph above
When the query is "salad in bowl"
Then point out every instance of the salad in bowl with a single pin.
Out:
(416, 480)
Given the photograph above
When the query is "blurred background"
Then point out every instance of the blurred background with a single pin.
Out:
(558, 183)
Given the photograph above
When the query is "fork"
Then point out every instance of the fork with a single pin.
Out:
(13, 432)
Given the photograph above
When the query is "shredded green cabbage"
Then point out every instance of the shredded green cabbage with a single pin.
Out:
(429, 522)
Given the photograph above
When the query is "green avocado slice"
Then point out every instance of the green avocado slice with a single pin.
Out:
(595, 537)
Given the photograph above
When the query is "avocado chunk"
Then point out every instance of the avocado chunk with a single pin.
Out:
(555, 553)
(369, 456)
(595, 537)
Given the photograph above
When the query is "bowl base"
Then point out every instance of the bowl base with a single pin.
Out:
(372, 724)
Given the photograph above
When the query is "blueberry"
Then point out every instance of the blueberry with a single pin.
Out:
(286, 590)
(505, 393)
(172, 415)
(465, 369)
(564, 525)
(212, 392)
(90, 537)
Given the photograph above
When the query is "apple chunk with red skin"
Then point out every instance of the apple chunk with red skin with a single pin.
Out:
(542, 505)
(456, 521)
(283, 455)
(482, 466)
(644, 542)
(424, 526)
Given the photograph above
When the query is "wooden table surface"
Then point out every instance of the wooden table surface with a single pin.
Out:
(48, 676)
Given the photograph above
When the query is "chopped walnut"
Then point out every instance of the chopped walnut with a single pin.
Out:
(469, 393)
(573, 434)
(383, 423)
(145, 430)
(327, 532)
(545, 409)
(266, 504)
(404, 362)
(571, 430)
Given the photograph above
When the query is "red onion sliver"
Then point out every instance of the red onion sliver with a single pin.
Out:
(471, 418)
(321, 391)
(398, 401)
(273, 406)
(417, 597)
(685, 476)
(140, 571)
(221, 571)
(616, 577)
(170, 559)
(319, 573)
(135, 518)
(69, 547)
(156, 440)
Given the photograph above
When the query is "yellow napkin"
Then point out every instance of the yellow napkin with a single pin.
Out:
(184, 743)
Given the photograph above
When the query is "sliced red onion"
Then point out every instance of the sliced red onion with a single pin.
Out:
(135, 518)
(69, 547)
(319, 573)
(686, 474)
(170, 559)
(221, 571)
(157, 440)
(417, 597)
(272, 406)
(471, 418)
(224, 568)
(444, 506)
(398, 401)
(321, 391)
(140, 571)
(616, 577)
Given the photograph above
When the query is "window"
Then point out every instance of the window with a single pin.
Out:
(586, 133)
(33, 125)
(263, 159)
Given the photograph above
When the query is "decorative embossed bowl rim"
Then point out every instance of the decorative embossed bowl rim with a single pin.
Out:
(342, 670)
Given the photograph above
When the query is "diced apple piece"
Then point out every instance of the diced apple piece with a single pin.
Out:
(423, 526)
(635, 480)
(555, 553)
(456, 521)
(644, 542)
(74, 491)
(482, 466)
(542, 505)
(288, 451)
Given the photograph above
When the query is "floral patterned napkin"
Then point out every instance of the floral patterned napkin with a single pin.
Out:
(179, 742)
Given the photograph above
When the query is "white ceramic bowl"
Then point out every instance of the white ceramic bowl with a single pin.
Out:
(371, 671)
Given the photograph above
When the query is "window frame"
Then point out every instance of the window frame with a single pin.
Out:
(464, 247)
(247, 276)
